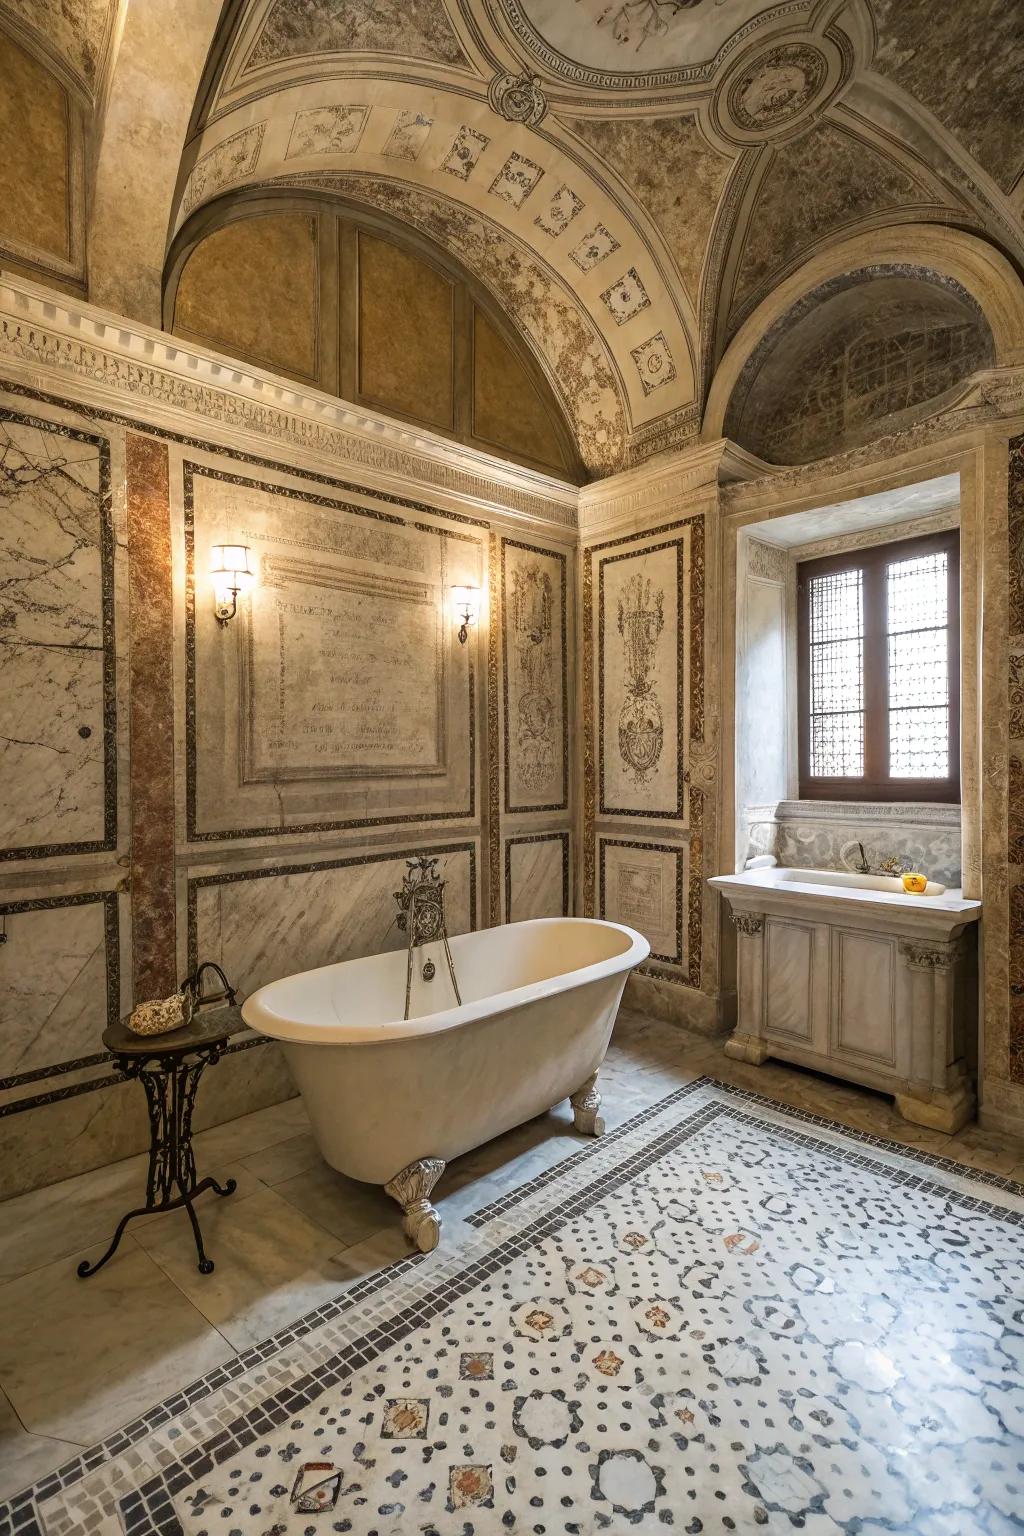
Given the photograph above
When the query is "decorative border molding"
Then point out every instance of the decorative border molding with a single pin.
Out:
(551, 554)
(561, 67)
(197, 883)
(495, 620)
(108, 841)
(190, 472)
(165, 376)
(537, 837)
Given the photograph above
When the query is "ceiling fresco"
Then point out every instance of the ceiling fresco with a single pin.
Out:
(632, 179)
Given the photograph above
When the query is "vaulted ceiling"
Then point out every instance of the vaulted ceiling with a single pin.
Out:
(631, 179)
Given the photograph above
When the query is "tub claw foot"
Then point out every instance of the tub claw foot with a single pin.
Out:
(586, 1102)
(411, 1189)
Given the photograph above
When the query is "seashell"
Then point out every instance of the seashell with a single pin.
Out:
(160, 1015)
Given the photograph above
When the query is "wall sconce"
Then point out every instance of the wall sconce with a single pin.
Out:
(232, 574)
(466, 603)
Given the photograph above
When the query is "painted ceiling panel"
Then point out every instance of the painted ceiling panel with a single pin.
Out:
(965, 63)
(820, 184)
(670, 167)
(300, 28)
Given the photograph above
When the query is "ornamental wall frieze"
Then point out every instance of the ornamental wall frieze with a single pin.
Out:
(150, 392)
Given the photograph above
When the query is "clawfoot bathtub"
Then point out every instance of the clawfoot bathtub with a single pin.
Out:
(392, 1101)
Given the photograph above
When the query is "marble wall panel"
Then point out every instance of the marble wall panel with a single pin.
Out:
(642, 884)
(641, 650)
(59, 981)
(58, 750)
(259, 924)
(537, 876)
(338, 698)
(535, 677)
(647, 757)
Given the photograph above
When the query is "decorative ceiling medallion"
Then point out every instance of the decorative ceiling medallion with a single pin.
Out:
(518, 98)
(775, 89)
(777, 92)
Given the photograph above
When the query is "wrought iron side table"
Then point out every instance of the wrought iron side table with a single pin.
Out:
(169, 1068)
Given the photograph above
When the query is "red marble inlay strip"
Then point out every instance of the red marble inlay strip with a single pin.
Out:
(154, 962)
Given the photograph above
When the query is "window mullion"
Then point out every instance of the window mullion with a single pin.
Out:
(876, 674)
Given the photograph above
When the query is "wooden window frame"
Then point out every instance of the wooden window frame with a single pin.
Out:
(876, 783)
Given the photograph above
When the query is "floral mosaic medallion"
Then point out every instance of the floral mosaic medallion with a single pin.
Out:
(723, 1317)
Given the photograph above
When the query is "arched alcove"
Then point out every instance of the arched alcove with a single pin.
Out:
(872, 351)
(869, 337)
(346, 301)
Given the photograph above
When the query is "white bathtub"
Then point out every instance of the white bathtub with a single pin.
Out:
(391, 1101)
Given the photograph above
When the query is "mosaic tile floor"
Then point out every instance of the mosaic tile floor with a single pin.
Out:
(725, 1316)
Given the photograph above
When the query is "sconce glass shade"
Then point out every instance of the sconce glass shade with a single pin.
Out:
(466, 603)
(232, 573)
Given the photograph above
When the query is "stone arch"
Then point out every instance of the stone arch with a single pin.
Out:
(935, 305)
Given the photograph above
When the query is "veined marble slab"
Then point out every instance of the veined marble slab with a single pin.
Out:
(56, 635)
(263, 924)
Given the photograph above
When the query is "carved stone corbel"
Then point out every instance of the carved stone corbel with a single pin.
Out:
(928, 956)
(411, 1189)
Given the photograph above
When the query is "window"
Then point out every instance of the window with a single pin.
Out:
(879, 670)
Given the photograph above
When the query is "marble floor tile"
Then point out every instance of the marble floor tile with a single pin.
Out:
(25, 1458)
(284, 1159)
(49, 1223)
(272, 1265)
(87, 1355)
(236, 1139)
(344, 1207)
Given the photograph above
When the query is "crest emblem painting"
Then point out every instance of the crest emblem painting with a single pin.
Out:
(532, 605)
(641, 728)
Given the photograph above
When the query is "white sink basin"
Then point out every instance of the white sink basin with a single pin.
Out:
(853, 881)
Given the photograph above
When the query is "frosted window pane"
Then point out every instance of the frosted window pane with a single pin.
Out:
(919, 668)
(917, 596)
(918, 593)
(837, 663)
(837, 746)
(919, 743)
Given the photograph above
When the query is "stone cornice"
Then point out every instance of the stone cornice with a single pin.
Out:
(56, 343)
(664, 484)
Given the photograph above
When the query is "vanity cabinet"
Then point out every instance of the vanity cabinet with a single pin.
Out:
(876, 991)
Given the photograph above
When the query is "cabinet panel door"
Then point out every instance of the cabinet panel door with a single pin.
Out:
(789, 991)
(864, 999)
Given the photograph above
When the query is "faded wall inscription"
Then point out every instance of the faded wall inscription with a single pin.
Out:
(343, 675)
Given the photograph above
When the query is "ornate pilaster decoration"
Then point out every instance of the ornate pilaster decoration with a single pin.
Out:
(496, 620)
(746, 922)
(586, 1102)
(517, 98)
(411, 1188)
(925, 956)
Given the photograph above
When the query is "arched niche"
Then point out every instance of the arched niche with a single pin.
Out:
(869, 337)
(41, 170)
(344, 300)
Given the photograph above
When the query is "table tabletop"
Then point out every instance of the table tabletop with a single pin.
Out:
(208, 1027)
